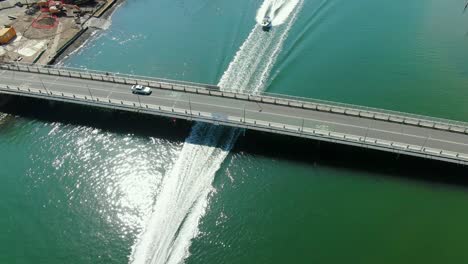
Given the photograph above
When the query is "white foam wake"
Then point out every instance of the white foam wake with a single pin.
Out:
(2, 117)
(183, 196)
(278, 10)
(184, 193)
(252, 64)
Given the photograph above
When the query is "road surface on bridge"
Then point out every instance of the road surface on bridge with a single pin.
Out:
(398, 137)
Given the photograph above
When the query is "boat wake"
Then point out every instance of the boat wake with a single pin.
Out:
(2, 117)
(279, 11)
(184, 196)
(184, 193)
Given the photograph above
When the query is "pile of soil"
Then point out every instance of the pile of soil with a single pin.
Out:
(45, 22)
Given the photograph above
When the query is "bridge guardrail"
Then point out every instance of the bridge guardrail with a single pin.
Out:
(243, 122)
(27, 67)
(278, 99)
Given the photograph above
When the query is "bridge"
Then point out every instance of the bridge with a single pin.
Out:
(391, 131)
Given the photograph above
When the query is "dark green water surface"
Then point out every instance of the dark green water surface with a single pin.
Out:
(81, 192)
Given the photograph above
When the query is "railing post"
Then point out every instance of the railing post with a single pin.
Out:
(244, 113)
(190, 106)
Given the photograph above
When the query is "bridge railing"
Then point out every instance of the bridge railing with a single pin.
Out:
(266, 97)
(299, 129)
(365, 108)
(19, 66)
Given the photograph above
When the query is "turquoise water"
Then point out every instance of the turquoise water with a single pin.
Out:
(83, 192)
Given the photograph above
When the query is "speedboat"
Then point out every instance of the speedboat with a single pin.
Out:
(266, 23)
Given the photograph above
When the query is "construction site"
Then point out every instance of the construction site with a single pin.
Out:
(39, 31)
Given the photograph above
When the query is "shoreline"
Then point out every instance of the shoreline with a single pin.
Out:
(86, 36)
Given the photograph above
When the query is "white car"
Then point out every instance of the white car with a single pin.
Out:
(140, 89)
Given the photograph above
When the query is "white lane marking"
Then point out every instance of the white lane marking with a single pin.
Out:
(54, 82)
(370, 129)
(340, 124)
(273, 114)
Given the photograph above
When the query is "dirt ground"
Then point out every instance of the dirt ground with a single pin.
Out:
(37, 44)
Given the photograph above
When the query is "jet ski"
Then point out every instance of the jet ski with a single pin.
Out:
(266, 23)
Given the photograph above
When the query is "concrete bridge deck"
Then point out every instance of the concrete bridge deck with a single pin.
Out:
(408, 134)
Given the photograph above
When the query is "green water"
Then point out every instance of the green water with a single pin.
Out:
(81, 192)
